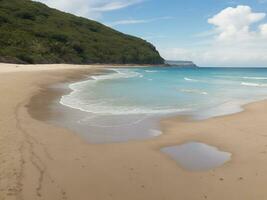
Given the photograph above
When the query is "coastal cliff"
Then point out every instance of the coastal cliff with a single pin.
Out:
(31, 32)
(186, 64)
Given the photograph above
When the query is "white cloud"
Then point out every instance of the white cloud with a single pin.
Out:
(136, 21)
(234, 23)
(128, 21)
(263, 30)
(89, 8)
(115, 5)
(238, 39)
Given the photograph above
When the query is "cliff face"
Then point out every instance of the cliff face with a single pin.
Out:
(31, 32)
(180, 63)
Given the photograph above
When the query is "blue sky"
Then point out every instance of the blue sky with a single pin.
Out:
(209, 32)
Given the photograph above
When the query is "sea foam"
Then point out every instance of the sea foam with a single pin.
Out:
(158, 88)
(103, 107)
(194, 91)
(190, 79)
(253, 84)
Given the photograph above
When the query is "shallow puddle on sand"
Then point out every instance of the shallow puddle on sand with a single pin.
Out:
(196, 156)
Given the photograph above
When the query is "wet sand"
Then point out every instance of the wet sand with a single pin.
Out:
(43, 161)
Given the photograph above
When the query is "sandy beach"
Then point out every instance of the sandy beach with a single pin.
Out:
(43, 161)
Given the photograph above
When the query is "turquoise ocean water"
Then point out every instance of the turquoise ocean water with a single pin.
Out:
(130, 101)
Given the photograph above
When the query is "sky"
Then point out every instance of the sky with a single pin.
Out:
(212, 33)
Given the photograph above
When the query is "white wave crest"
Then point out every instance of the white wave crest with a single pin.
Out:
(194, 91)
(243, 77)
(254, 78)
(99, 107)
(120, 73)
(253, 84)
(151, 71)
(103, 108)
(190, 79)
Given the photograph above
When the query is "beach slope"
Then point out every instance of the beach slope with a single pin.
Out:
(41, 161)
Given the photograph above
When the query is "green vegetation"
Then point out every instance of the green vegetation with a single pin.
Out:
(31, 32)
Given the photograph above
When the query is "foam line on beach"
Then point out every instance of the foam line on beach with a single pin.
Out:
(99, 107)
(194, 91)
(253, 84)
(190, 79)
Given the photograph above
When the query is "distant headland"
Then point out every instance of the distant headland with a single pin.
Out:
(179, 63)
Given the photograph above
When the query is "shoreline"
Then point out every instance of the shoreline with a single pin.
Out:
(36, 107)
(46, 107)
(51, 93)
(39, 167)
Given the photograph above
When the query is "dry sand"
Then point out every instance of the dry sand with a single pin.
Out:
(41, 161)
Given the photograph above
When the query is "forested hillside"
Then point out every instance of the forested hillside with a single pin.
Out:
(31, 32)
